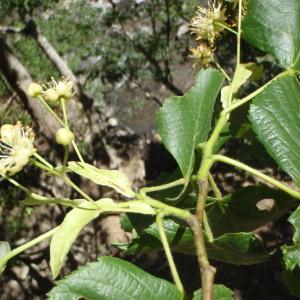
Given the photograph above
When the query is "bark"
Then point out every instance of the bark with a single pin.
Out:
(18, 78)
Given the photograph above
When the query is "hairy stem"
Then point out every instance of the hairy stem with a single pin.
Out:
(166, 246)
(266, 178)
(207, 162)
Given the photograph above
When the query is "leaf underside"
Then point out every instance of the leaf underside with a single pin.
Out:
(112, 178)
(67, 233)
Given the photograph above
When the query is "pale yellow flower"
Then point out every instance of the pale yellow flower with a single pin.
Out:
(64, 88)
(53, 90)
(16, 147)
(206, 23)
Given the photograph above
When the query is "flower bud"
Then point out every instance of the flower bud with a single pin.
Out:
(34, 89)
(64, 136)
(51, 95)
(64, 89)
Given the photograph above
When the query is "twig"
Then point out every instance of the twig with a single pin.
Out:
(207, 272)
(266, 178)
(214, 187)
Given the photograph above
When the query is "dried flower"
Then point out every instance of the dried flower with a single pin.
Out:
(202, 54)
(16, 147)
(206, 23)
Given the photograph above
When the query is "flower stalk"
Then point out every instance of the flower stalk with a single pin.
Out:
(166, 246)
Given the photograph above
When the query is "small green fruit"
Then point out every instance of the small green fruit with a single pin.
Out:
(64, 136)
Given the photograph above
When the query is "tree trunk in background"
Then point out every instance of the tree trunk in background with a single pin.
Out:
(62, 67)
(95, 121)
(18, 78)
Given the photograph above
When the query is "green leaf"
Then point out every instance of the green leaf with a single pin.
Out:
(235, 248)
(67, 232)
(276, 121)
(257, 70)
(291, 254)
(184, 122)
(239, 211)
(241, 76)
(238, 249)
(110, 279)
(112, 178)
(291, 257)
(221, 292)
(273, 26)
